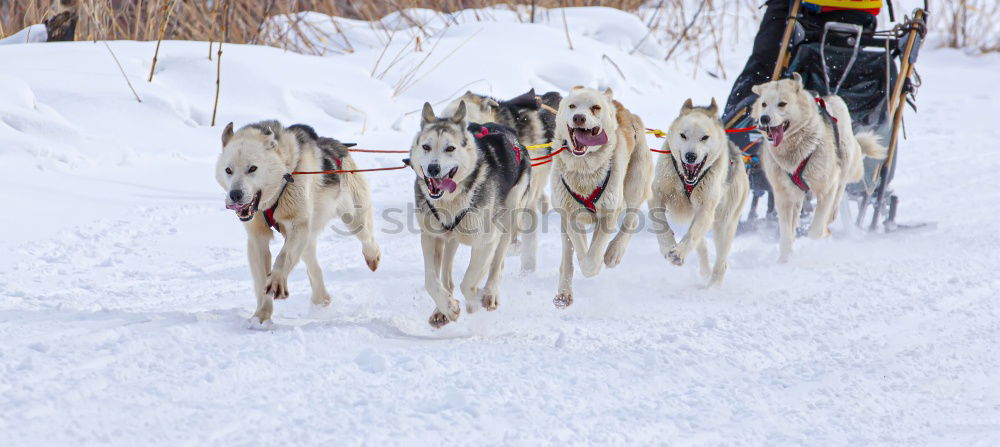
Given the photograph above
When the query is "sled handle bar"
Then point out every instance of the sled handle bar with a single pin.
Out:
(844, 28)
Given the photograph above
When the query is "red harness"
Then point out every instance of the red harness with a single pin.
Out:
(822, 104)
(517, 150)
(589, 202)
(796, 176)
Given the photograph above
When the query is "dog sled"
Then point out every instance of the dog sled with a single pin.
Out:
(872, 70)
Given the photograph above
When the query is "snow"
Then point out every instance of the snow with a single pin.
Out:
(124, 291)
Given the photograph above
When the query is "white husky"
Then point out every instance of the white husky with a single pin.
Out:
(255, 170)
(810, 147)
(702, 181)
(604, 170)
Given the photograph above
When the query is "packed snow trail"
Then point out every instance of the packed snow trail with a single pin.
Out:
(125, 290)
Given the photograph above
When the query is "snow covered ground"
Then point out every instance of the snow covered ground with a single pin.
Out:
(124, 288)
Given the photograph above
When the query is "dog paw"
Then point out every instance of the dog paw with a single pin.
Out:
(563, 300)
(613, 255)
(783, 259)
(373, 256)
(255, 324)
(490, 301)
(439, 319)
(276, 286)
(675, 257)
(321, 300)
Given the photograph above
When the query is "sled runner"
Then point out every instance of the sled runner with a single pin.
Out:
(837, 50)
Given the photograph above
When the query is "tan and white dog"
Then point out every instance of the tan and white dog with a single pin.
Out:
(810, 147)
(255, 169)
(604, 170)
(702, 181)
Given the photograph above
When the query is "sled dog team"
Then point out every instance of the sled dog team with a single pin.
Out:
(474, 180)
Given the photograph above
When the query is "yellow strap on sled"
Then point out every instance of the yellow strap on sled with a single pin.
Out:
(850, 4)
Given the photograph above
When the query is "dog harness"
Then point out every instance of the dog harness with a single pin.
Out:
(454, 223)
(269, 213)
(796, 176)
(689, 186)
(517, 149)
(589, 202)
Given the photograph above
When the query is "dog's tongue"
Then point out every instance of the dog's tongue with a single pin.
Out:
(588, 139)
(776, 133)
(234, 206)
(448, 184)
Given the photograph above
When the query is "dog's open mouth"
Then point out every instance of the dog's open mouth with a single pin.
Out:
(692, 171)
(436, 186)
(584, 138)
(245, 211)
(776, 133)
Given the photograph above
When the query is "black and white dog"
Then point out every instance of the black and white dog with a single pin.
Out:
(472, 181)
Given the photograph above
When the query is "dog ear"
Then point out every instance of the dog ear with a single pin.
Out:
(577, 87)
(427, 115)
(688, 105)
(227, 134)
(610, 94)
(798, 80)
(714, 107)
(755, 89)
(459, 115)
(525, 101)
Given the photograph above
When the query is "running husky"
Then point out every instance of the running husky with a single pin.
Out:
(702, 181)
(533, 117)
(810, 147)
(255, 170)
(603, 170)
(471, 179)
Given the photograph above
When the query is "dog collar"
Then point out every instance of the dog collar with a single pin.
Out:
(589, 202)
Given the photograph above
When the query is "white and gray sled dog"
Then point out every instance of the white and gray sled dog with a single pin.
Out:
(810, 147)
(255, 170)
(533, 118)
(702, 181)
(471, 181)
(604, 170)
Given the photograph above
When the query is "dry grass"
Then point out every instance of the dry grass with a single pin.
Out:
(969, 24)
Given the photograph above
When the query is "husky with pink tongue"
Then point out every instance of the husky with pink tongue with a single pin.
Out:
(810, 146)
(472, 180)
(603, 170)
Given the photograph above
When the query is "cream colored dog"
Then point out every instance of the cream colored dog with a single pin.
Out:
(810, 147)
(604, 170)
(255, 170)
(702, 181)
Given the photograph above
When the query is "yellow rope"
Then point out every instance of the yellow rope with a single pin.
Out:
(657, 133)
(538, 146)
